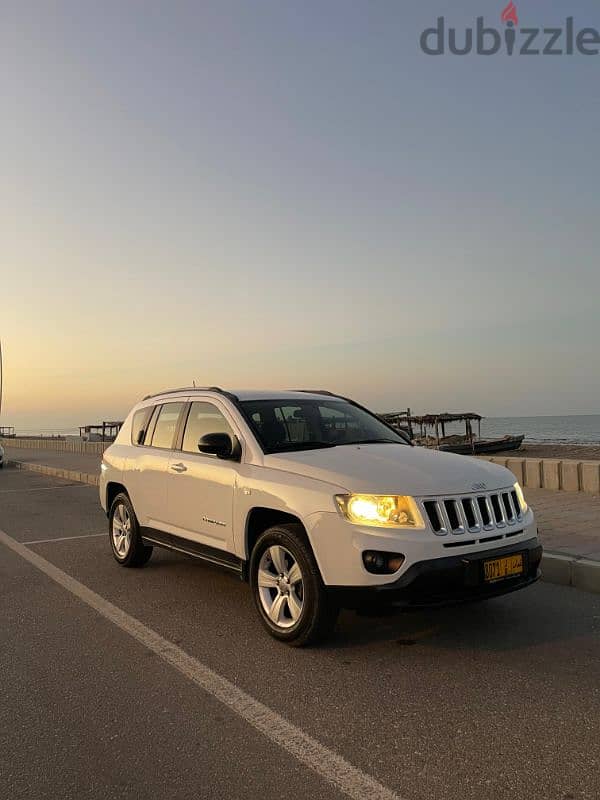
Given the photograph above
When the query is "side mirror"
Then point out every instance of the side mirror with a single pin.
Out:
(220, 445)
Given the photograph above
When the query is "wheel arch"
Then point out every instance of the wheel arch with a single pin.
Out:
(260, 518)
(113, 488)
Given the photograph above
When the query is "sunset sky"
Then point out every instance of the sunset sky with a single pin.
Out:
(287, 194)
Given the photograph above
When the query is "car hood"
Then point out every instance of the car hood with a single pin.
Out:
(394, 469)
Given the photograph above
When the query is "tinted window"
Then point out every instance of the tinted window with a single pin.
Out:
(294, 422)
(140, 424)
(203, 418)
(302, 424)
(150, 426)
(166, 425)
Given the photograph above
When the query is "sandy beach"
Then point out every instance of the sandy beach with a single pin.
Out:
(579, 452)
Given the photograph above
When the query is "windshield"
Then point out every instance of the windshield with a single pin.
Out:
(286, 425)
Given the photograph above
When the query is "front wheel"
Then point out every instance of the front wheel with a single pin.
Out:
(125, 538)
(287, 588)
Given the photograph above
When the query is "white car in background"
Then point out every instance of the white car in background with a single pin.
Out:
(316, 502)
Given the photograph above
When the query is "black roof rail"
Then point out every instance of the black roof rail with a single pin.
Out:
(216, 389)
(318, 391)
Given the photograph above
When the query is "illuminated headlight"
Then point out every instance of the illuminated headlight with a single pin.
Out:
(103, 466)
(382, 511)
(521, 497)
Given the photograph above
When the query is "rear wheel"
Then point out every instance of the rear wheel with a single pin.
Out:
(125, 538)
(287, 588)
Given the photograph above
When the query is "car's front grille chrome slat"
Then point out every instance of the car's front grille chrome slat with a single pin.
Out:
(446, 527)
(516, 505)
(462, 517)
(480, 513)
(477, 513)
(470, 509)
(508, 508)
(514, 511)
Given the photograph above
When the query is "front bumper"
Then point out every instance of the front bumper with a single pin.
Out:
(338, 546)
(446, 581)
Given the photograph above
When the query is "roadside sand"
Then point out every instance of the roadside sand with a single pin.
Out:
(579, 452)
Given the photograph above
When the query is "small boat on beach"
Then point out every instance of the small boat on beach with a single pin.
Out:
(479, 446)
(467, 444)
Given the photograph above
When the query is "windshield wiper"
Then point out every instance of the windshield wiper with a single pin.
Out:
(285, 446)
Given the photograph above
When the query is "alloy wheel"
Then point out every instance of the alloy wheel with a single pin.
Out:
(280, 586)
(121, 530)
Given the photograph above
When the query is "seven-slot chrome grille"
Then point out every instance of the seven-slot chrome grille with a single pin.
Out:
(477, 514)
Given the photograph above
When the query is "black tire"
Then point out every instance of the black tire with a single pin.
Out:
(137, 554)
(319, 613)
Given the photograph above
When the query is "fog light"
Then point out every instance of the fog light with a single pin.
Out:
(381, 563)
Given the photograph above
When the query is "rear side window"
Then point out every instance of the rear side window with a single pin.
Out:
(203, 418)
(166, 425)
(140, 424)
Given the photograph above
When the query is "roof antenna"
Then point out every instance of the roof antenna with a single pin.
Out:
(194, 383)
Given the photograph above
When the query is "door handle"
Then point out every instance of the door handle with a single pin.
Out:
(179, 467)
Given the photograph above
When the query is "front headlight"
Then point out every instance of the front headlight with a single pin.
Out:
(382, 511)
(521, 497)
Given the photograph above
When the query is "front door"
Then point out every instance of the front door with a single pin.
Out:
(200, 487)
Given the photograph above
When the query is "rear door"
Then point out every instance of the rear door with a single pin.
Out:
(148, 471)
(201, 486)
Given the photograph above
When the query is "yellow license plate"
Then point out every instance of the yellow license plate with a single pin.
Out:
(499, 568)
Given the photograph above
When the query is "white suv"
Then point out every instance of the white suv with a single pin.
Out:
(316, 502)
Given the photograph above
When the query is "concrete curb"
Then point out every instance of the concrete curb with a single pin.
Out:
(559, 568)
(56, 472)
(565, 475)
(570, 570)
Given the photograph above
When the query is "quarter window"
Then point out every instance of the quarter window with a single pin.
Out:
(140, 424)
(203, 418)
(150, 425)
(166, 425)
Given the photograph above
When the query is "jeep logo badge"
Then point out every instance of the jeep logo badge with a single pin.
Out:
(478, 487)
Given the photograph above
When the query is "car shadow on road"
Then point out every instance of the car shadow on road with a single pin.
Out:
(537, 615)
(533, 616)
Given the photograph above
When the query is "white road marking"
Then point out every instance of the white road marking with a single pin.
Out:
(65, 538)
(325, 762)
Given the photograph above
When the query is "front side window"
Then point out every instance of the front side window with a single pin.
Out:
(203, 418)
(166, 425)
(281, 425)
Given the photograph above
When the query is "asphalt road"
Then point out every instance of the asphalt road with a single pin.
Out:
(484, 702)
